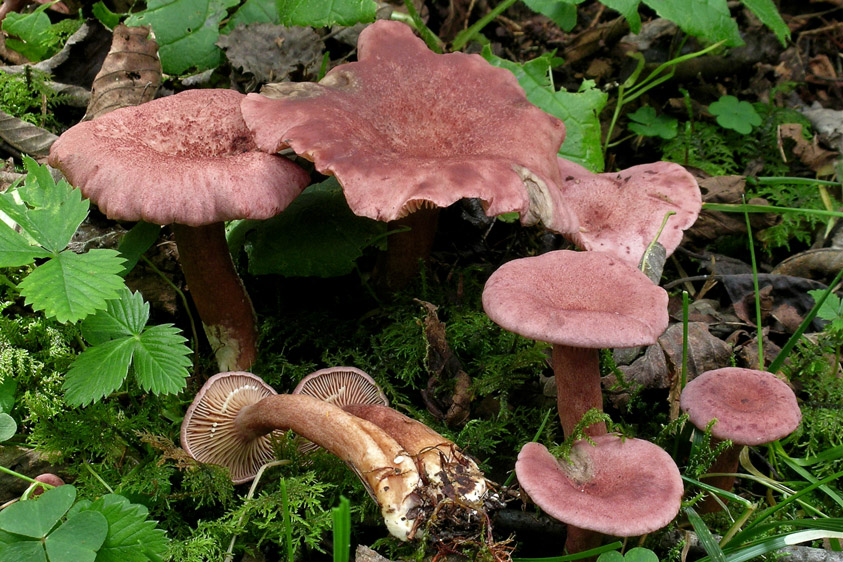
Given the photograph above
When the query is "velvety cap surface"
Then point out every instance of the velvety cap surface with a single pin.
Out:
(187, 158)
(582, 299)
(751, 407)
(208, 433)
(621, 212)
(403, 126)
(621, 487)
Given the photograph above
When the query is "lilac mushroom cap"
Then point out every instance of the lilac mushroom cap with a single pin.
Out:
(620, 487)
(751, 407)
(404, 127)
(621, 212)
(342, 386)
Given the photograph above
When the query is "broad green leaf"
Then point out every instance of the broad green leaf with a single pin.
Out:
(98, 371)
(186, 31)
(72, 286)
(7, 394)
(123, 316)
(644, 121)
(137, 241)
(766, 11)
(706, 19)
(562, 12)
(319, 13)
(639, 554)
(130, 534)
(578, 110)
(160, 359)
(737, 115)
(78, 538)
(628, 9)
(8, 427)
(24, 551)
(253, 11)
(106, 16)
(15, 250)
(613, 556)
(36, 517)
(50, 212)
(31, 33)
(316, 235)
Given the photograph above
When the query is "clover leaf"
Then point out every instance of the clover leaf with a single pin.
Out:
(645, 122)
(733, 114)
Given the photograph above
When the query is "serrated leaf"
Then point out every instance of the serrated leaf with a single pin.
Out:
(316, 235)
(160, 359)
(72, 286)
(15, 251)
(832, 307)
(49, 212)
(36, 517)
(78, 538)
(766, 11)
(98, 371)
(186, 31)
(124, 316)
(578, 110)
(707, 19)
(130, 534)
(319, 13)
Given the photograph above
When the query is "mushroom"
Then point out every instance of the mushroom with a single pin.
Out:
(233, 414)
(621, 212)
(186, 160)
(404, 128)
(617, 486)
(751, 408)
(579, 302)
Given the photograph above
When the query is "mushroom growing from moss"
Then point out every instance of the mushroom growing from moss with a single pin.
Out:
(187, 160)
(404, 128)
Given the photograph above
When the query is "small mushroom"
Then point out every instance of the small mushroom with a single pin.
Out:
(621, 212)
(404, 128)
(618, 486)
(579, 302)
(751, 408)
(232, 415)
(186, 160)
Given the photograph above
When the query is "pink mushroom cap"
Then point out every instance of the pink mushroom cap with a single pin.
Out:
(403, 127)
(579, 299)
(187, 158)
(621, 487)
(751, 407)
(621, 212)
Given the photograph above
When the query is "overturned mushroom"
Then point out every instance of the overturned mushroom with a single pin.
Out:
(232, 414)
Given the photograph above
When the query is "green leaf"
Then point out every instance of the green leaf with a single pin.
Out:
(49, 212)
(832, 307)
(15, 251)
(160, 360)
(36, 517)
(106, 16)
(628, 9)
(766, 11)
(186, 31)
(737, 115)
(7, 394)
(316, 235)
(78, 539)
(253, 11)
(131, 536)
(644, 121)
(639, 554)
(98, 371)
(72, 286)
(24, 551)
(33, 32)
(578, 110)
(138, 240)
(8, 427)
(123, 316)
(319, 13)
(707, 19)
(562, 12)
(612, 556)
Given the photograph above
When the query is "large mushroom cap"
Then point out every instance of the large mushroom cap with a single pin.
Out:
(751, 407)
(208, 433)
(621, 487)
(187, 159)
(579, 299)
(621, 212)
(403, 126)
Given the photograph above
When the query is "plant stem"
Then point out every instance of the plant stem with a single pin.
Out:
(466, 35)
(759, 331)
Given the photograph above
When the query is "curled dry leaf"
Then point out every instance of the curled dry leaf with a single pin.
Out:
(818, 264)
(130, 74)
(712, 225)
(271, 53)
(25, 137)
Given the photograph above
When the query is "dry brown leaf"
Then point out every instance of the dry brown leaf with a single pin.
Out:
(24, 137)
(712, 225)
(808, 152)
(130, 74)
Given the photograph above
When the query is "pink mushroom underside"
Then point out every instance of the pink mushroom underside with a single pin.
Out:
(404, 125)
(621, 212)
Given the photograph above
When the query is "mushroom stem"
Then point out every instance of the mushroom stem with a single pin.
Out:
(399, 264)
(218, 293)
(727, 464)
(578, 389)
(382, 464)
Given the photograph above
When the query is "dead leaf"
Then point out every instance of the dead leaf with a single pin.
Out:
(809, 152)
(712, 225)
(130, 74)
(271, 53)
(25, 137)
